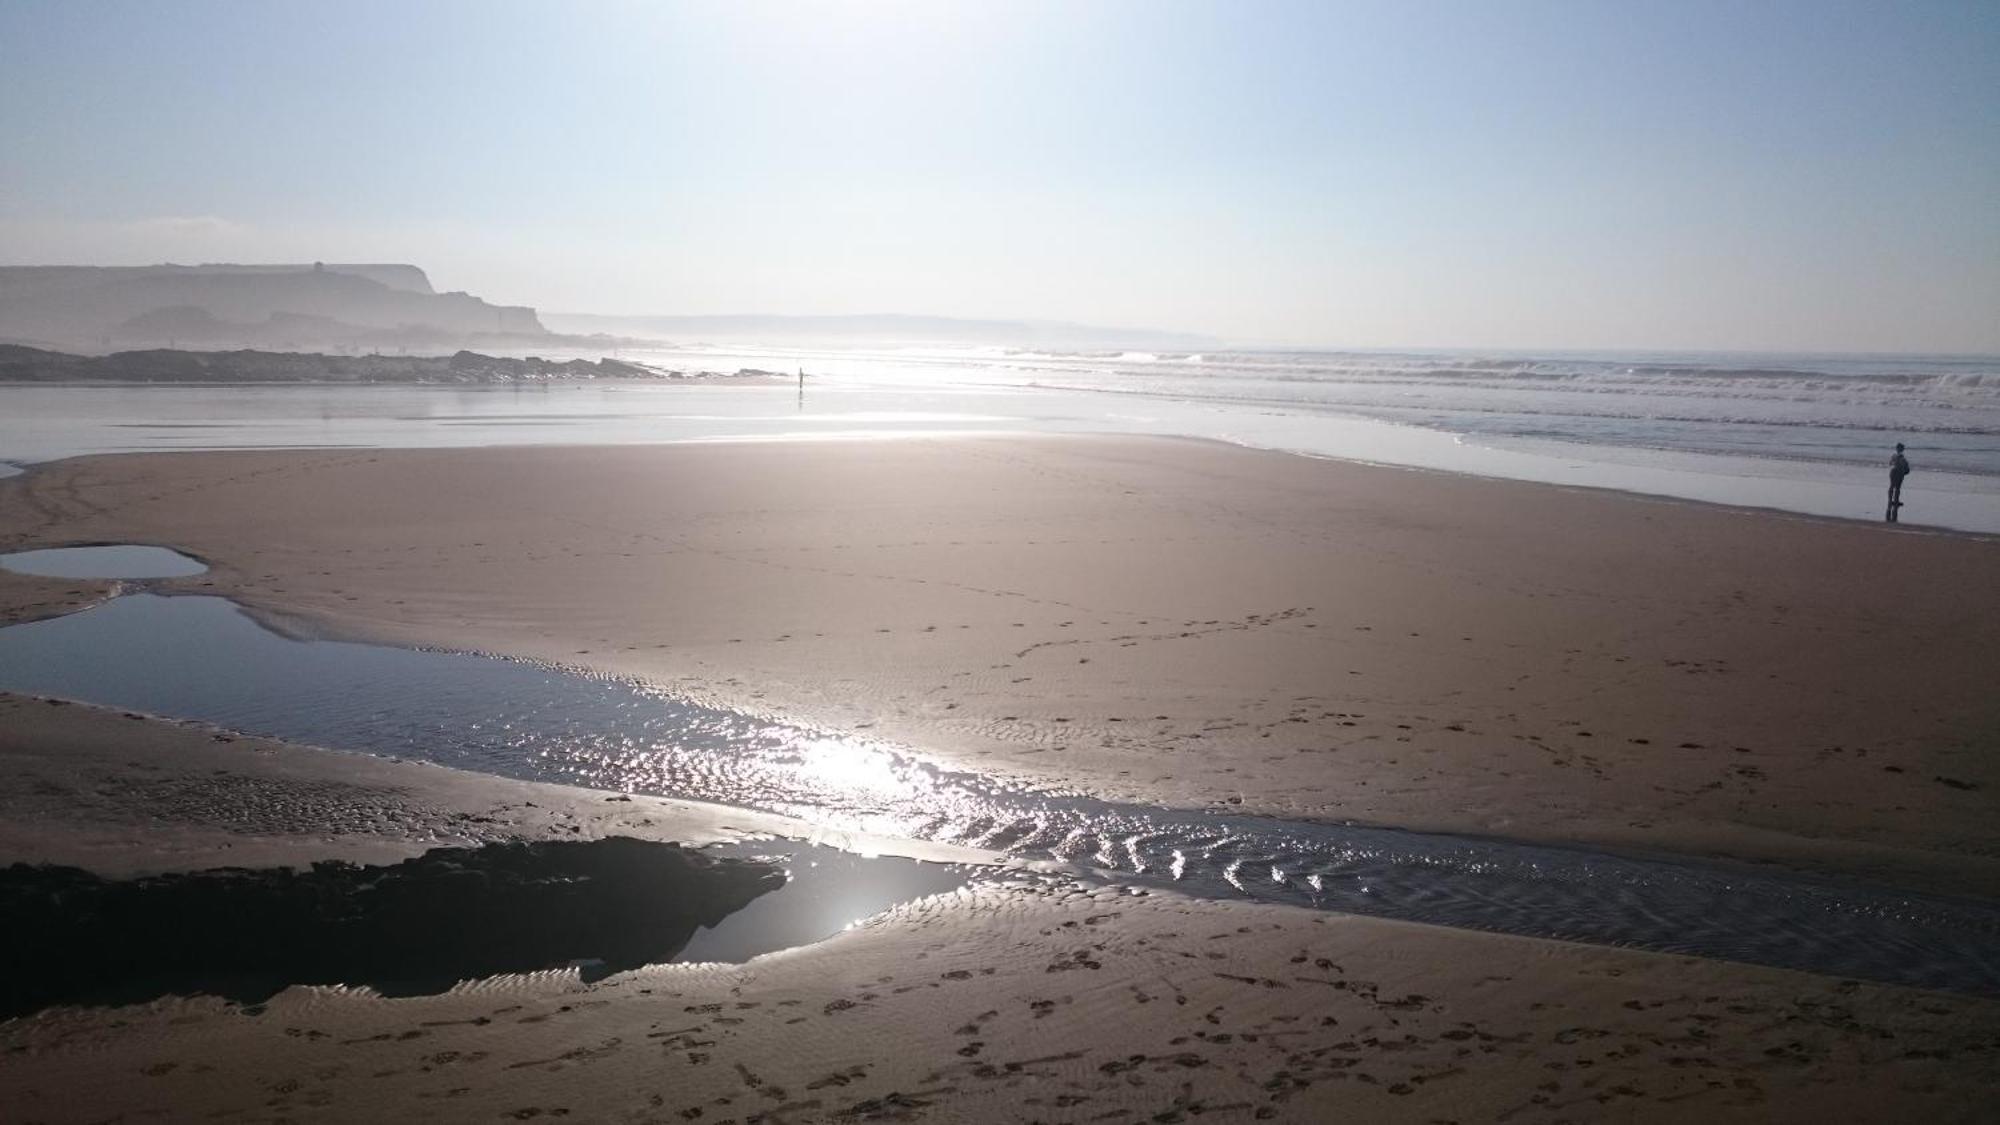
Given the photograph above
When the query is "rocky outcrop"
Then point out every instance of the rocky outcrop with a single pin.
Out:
(169, 365)
(422, 925)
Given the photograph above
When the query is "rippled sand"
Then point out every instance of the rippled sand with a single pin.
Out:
(1167, 621)
(993, 1003)
(1171, 622)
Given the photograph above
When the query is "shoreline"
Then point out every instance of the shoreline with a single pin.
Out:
(1657, 497)
(27, 468)
(1838, 488)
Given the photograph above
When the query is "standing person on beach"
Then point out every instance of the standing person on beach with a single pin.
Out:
(1899, 467)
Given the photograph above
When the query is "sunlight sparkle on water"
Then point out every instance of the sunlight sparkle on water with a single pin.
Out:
(843, 764)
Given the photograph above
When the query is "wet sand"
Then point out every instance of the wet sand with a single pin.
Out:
(993, 1004)
(28, 598)
(1170, 621)
(121, 793)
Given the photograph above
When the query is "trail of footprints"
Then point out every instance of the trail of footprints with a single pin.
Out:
(1202, 1029)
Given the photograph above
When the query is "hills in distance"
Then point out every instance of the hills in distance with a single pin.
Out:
(364, 307)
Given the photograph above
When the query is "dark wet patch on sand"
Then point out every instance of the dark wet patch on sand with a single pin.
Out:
(413, 927)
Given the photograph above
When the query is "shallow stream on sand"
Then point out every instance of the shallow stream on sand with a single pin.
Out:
(204, 658)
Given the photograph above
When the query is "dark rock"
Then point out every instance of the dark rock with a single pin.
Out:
(172, 365)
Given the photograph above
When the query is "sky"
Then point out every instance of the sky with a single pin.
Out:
(1777, 175)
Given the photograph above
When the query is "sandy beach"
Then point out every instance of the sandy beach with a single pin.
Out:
(1172, 621)
(995, 1004)
(1167, 621)
(1058, 564)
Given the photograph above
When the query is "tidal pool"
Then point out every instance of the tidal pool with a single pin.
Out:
(204, 658)
(424, 924)
(826, 890)
(121, 560)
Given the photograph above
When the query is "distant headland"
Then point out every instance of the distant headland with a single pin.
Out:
(172, 365)
(285, 307)
(358, 307)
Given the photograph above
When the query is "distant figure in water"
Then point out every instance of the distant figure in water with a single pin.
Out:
(1899, 467)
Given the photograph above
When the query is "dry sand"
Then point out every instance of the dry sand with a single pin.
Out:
(1172, 621)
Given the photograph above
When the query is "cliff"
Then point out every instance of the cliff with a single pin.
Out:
(271, 305)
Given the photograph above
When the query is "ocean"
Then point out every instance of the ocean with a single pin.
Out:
(1801, 433)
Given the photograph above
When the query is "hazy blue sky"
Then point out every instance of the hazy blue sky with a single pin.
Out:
(1813, 175)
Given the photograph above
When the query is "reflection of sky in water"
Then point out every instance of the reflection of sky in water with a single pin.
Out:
(201, 658)
(826, 891)
(112, 561)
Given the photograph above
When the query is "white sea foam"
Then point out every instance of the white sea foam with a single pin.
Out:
(1804, 433)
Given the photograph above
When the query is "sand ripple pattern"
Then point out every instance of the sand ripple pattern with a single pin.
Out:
(525, 720)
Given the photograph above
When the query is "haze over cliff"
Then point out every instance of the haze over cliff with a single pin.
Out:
(888, 328)
(362, 307)
(347, 305)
